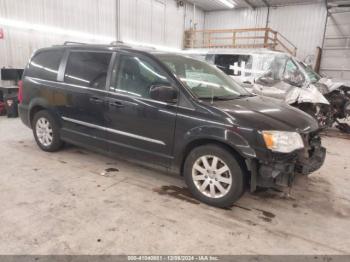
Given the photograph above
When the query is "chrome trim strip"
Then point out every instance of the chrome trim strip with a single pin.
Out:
(114, 131)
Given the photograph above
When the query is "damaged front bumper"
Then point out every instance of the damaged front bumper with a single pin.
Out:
(281, 169)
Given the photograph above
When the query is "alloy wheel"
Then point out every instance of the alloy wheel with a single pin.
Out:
(44, 131)
(212, 176)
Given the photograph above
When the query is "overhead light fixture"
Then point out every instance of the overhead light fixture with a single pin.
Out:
(229, 4)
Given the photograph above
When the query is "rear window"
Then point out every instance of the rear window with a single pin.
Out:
(45, 65)
(88, 69)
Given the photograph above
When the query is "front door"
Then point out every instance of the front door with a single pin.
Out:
(137, 125)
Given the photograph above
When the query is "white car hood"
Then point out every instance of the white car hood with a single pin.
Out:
(308, 94)
(333, 84)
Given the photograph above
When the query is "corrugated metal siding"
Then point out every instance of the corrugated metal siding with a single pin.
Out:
(174, 20)
(215, 5)
(210, 5)
(95, 18)
(303, 25)
(260, 3)
(158, 22)
(236, 18)
(189, 17)
(336, 50)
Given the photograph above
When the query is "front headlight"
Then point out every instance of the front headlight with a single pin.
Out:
(281, 141)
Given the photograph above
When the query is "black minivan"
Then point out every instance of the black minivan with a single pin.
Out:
(171, 111)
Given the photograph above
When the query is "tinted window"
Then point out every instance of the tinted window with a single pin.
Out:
(88, 69)
(234, 64)
(136, 75)
(45, 65)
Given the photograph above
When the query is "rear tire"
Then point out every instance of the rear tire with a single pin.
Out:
(214, 176)
(46, 131)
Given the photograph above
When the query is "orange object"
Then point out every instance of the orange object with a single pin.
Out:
(268, 140)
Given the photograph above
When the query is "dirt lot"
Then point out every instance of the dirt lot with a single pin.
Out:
(79, 202)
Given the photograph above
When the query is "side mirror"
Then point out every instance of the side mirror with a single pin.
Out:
(163, 93)
(295, 78)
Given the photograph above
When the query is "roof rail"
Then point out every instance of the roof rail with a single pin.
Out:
(73, 43)
(117, 43)
(120, 44)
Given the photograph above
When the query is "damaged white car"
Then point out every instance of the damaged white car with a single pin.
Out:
(282, 76)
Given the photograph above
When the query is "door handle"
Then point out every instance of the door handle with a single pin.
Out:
(96, 100)
(116, 104)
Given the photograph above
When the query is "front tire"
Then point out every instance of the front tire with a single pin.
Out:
(214, 176)
(46, 131)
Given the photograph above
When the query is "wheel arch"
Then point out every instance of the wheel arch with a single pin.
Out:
(33, 111)
(39, 105)
(210, 141)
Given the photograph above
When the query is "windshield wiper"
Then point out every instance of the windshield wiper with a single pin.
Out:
(224, 98)
(245, 95)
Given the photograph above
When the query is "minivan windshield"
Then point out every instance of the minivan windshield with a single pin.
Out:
(313, 76)
(273, 64)
(203, 79)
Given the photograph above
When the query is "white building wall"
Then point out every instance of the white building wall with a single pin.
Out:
(290, 21)
(157, 22)
(336, 50)
(236, 19)
(303, 25)
(194, 17)
(50, 22)
(46, 23)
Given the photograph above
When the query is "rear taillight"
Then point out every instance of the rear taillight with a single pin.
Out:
(20, 91)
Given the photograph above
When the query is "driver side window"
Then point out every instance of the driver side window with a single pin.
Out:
(134, 75)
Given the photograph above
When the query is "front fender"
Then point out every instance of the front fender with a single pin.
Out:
(229, 136)
(234, 137)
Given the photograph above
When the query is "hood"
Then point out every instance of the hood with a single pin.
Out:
(262, 113)
(290, 94)
(310, 94)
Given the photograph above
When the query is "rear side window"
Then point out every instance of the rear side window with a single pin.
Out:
(88, 69)
(236, 65)
(45, 65)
